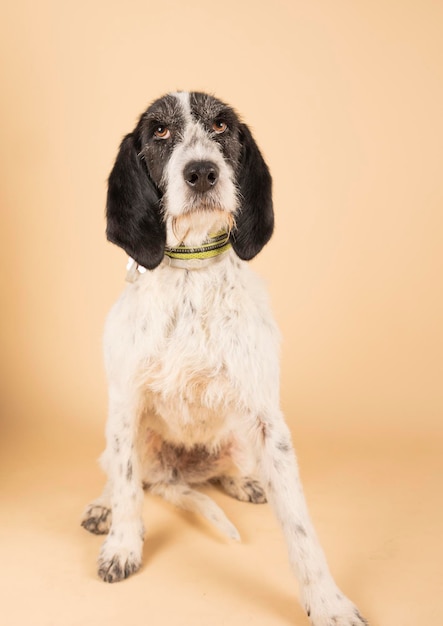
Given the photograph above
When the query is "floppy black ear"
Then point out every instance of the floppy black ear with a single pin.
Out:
(255, 217)
(134, 220)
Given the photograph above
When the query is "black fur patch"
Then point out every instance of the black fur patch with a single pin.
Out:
(255, 219)
(133, 207)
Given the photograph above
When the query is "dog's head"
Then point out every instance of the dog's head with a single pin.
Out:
(189, 168)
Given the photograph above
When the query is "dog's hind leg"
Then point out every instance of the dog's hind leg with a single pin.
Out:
(97, 517)
(244, 488)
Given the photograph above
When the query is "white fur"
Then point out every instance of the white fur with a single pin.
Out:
(192, 360)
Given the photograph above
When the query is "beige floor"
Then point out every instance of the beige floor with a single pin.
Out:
(377, 507)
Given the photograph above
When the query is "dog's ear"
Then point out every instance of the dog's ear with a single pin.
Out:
(255, 216)
(134, 220)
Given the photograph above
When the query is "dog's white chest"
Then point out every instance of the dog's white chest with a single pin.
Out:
(202, 341)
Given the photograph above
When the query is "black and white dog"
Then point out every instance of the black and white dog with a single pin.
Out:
(191, 348)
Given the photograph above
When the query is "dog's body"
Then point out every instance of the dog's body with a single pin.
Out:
(191, 348)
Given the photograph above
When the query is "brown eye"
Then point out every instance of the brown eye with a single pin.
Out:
(162, 132)
(219, 127)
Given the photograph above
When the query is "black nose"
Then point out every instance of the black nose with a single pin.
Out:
(201, 175)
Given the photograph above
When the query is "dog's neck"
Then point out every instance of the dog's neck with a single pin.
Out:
(208, 253)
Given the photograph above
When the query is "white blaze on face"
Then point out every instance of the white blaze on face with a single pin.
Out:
(191, 216)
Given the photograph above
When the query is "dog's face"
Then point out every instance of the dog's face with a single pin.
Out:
(190, 167)
(191, 147)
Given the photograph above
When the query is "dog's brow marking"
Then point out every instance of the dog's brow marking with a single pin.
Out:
(184, 99)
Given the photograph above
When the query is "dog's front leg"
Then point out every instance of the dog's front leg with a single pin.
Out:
(121, 552)
(325, 604)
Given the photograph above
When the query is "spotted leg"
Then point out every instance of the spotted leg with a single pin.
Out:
(325, 604)
(121, 551)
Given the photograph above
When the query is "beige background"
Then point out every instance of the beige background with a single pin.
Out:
(345, 98)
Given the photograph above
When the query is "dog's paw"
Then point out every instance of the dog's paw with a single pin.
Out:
(121, 553)
(340, 612)
(118, 567)
(97, 519)
(245, 488)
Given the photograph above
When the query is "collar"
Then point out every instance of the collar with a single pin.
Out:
(188, 257)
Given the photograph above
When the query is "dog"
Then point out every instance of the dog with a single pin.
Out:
(191, 347)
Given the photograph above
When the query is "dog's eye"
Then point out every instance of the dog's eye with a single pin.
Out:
(162, 132)
(219, 126)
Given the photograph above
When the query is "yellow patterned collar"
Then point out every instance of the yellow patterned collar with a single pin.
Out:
(188, 257)
(214, 246)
